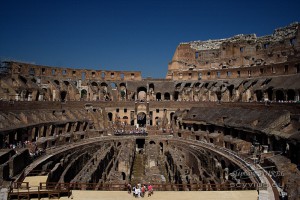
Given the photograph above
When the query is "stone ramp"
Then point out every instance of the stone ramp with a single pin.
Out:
(159, 195)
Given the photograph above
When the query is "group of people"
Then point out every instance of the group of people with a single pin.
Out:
(140, 190)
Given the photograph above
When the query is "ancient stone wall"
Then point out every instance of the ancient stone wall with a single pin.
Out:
(239, 56)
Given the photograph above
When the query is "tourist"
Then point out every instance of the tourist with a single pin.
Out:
(129, 188)
(150, 190)
(137, 192)
(133, 191)
(143, 190)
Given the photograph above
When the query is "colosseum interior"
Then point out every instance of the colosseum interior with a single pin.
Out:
(226, 117)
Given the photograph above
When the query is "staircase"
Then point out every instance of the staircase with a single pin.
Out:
(138, 171)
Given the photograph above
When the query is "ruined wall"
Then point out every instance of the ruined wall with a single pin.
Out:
(239, 56)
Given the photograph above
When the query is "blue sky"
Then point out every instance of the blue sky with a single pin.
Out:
(128, 34)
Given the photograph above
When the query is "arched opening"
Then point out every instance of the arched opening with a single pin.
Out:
(94, 84)
(123, 91)
(230, 89)
(110, 116)
(83, 94)
(167, 96)
(171, 116)
(56, 82)
(259, 95)
(66, 83)
(158, 96)
(151, 87)
(157, 121)
(104, 95)
(151, 142)
(142, 93)
(63, 95)
(103, 84)
(290, 95)
(123, 176)
(141, 119)
(195, 127)
(279, 95)
(176, 95)
(125, 120)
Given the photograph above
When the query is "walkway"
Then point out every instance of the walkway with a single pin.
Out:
(191, 195)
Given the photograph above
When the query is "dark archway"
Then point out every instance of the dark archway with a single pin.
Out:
(110, 116)
(83, 94)
(141, 119)
(123, 176)
(230, 89)
(176, 95)
(279, 95)
(94, 84)
(290, 95)
(151, 86)
(171, 116)
(259, 95)
(167, 96)
(66, 83)
(158, 96)
(63, 95)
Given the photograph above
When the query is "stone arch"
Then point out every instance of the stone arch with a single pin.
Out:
(103, 84)
(176, 95)
(123, 91)
(83, 94)
(56, 82)
(259, 95)
(142, 93)
(110, 116)
(66, 83)
(230, 89)
(104, 95)
(279, 95)
(95, 84)
(158, 96)
(291, 95)
(123, 176)
(63, 96)
(141, 119)
(167, 96)
(171, 115)
(151, 87)
(152, 142)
